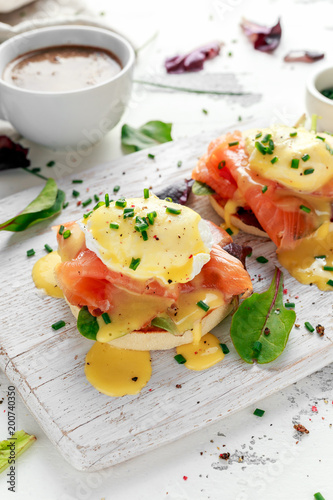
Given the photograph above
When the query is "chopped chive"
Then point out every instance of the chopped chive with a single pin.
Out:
(203, 305)
(168, 199)
(99, 204)
(318, 496)
(50, 163)
(65, 205)
(35, 170)
(154, 213)
(261, 259)
(225, 348)
(308, 171)
(96, 198)
(75, 193)
(234, 143)
(144, 235)
(289, 304)
(134, 263)
(221, 164)
(305, 209)
(48, 248)
(85, 216)
(114, 225)
(309, 327)
(329, 282)
(266, 138)
(258, 135)
(121, 203)
(141, 224)
(107, 200)
(146, 193)
(106, 318)
(257, 346)
(205, 112)
(58, 325)
(274, 160)
(66, 234)
(321, 138)
(179, 163)
(258, 413)
(151, 218)
(320, 257)
(128, 212)
(85, 203)
(328, 268)
(329, 149)
(116, 189)
(77, 181)
(240, 118)
(260, 147)
(30, 252)
(174, 211)
(264, 189)
(229, 231)
(180, 359)
(61, 229)
(293, 134)
(294, 163)
(306, 157)
(151, 156)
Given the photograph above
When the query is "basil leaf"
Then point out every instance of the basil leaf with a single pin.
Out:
(150, 134)
(166, 324)
(201, 189)
(260, 312)
(23, 441)
(87, 324)
(47, 204)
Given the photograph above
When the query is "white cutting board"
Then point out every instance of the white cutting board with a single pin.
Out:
(94, 431)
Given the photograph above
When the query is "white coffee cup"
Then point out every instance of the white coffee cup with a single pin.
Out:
(71, 118)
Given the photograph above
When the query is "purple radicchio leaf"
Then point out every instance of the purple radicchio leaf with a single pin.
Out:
(178, 192)
(238, 251)
(303, 56)
(12, 155)
(193, 61)
(264, 38)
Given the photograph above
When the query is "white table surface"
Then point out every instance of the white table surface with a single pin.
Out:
(277, 462)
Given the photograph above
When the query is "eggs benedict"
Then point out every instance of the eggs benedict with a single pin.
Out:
(141, 274)
(277, 182)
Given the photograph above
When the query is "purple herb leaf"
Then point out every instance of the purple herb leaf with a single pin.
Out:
(238, 251)
(303, 56)
(193, 61)
(263, 38)
(12, 155)
(178, 192)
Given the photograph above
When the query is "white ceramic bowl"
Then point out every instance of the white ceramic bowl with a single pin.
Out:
(76, 118)
(316, 103)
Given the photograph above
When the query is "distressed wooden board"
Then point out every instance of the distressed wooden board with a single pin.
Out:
(94, 431)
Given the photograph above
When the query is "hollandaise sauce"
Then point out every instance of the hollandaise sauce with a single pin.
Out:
(202, 355)
(117, 372)
(44, 277)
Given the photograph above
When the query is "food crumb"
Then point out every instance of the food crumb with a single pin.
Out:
(301, 428)
(320, 330)
(178, 386)
(224, 456)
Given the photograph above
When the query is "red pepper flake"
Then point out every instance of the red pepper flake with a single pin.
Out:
(314, 408)
(150, 390)
(285, 291)
(296, 296)
(190, 257)
(78, 203)
(185, 478)
(196, 352)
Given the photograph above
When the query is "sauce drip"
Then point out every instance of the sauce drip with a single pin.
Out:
(44, 277)
(62, 68)
(117, 372)
(202, 355)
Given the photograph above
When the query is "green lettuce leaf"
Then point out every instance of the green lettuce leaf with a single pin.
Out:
(47, 204)
(150, 134)
(22, 442)
(262, 318)
(87, 324)
(201, 189)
